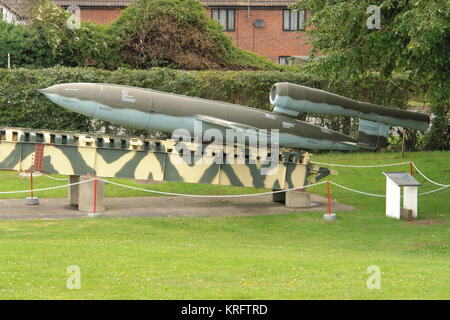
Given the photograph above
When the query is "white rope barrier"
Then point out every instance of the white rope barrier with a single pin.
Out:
(40, 174)
(54, 178)
(365, 166)
(49, 188)
(357, 191)
(210, 196)
(428, 192)
(443, 186)
(254, 194)
(213, 196)
(381, 195)
(433, 182)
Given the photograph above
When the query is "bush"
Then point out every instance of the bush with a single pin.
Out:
(177, 34)
(25, 47)
(88, 45)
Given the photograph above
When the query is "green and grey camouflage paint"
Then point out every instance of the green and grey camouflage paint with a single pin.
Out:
(292, 99)
(161, 111)
(71, 153)
(155, 110)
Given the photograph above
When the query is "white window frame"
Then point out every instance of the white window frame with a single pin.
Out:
(216, 15)
(285, 60)
(299, 20)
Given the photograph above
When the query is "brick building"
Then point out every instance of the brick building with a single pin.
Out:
(97, 11)
(266, 27)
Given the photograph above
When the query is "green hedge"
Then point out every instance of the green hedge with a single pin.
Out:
(22, 106)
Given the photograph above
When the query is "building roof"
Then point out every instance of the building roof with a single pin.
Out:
(213, 3)
(18, 7)
(252, 3)
(402, 179)
(94, 3)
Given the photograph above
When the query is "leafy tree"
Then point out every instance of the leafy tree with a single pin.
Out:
(414, 39)
(87, 45)
(24, 45)
(177, 34)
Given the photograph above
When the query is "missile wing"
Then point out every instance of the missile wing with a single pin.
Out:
(224, 123)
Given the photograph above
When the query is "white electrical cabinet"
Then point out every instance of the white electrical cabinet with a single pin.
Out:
(395, 181)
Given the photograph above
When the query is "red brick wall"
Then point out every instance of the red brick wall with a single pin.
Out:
(269, 41)
(100, 15)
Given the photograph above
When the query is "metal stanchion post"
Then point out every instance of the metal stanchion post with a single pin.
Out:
(31, 200)
(329, 216)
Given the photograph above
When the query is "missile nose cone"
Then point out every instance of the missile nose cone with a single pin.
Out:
(77, 97)
(49, 90)
(51, 93)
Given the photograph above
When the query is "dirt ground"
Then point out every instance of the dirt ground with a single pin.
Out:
(162, 207)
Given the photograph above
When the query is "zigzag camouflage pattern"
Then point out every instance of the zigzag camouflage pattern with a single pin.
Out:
(71, 153)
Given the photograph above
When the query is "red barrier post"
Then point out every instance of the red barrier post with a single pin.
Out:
(411, 172)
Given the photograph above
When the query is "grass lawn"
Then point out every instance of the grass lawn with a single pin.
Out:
(292, 256)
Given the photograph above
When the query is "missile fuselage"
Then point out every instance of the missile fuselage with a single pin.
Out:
(166, 112)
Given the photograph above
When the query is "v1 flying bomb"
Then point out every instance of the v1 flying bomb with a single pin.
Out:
(166, 112)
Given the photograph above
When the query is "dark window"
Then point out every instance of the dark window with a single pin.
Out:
(285, 60)
(293, 20)
(225, 18)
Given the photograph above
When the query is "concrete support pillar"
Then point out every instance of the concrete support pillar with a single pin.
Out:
(86, 196)
(279, 196)
(298, 199)
(74, 191)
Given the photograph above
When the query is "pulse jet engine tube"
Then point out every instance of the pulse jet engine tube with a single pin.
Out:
(291, 99)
